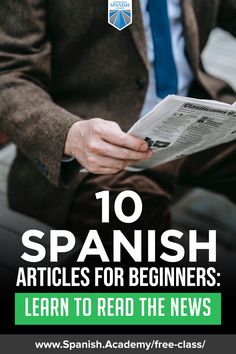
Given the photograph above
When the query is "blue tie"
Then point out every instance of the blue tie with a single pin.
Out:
(165, 68)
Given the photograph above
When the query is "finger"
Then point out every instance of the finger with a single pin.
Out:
(119, 138)
(104, 171)
(104, 148)
(109, 171)
(109, 162)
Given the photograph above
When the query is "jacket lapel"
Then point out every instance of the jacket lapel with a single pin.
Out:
(191, 34)
(137, 31)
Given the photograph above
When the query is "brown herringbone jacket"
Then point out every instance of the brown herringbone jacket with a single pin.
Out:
(59, 62)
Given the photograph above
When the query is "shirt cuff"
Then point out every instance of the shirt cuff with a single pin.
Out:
(67, 158)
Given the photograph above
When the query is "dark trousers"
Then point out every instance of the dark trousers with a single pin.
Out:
(213, 169)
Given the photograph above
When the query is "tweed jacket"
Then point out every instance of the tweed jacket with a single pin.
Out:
(60, 61)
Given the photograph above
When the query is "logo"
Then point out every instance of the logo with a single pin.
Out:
(120, 13)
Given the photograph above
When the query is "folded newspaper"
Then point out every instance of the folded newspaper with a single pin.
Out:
(180, 126)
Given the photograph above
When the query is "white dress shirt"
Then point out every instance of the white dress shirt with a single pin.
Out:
(185, 75)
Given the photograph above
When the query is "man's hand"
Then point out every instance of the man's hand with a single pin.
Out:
(102, 147)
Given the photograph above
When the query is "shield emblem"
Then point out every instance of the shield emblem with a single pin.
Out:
(120, 13)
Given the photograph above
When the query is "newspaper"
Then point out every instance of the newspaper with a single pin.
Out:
(180, 126)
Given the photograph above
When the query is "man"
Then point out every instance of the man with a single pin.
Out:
(72, 85)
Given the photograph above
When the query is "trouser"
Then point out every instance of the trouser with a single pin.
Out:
(213, 169)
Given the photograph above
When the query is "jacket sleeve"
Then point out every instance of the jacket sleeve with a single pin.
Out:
(227, 16)
(28, 115)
